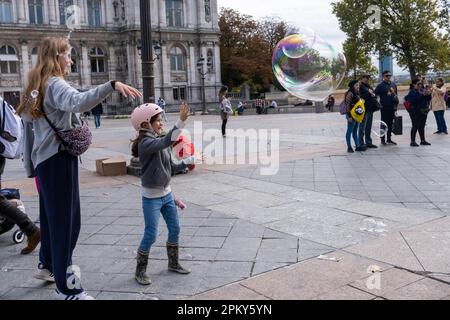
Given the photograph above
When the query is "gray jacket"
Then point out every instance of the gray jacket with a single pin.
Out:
(155, 158)
(61, 102)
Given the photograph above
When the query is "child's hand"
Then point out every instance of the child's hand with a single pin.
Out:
(184, 112)
(200, 157)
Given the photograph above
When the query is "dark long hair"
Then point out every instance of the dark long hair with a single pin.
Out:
(351, 88)
(135, 142)
(222, 93)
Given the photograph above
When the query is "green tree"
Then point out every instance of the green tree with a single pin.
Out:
(415, 31)
(246, 48)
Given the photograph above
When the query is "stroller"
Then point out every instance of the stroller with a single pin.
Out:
(5, 224)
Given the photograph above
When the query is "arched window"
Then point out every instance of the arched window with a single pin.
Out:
(177, 59)
(74, 67)
(97, 60)
(34, 56)
(63, 5)
(94, 13)
(35, 11)
(174, 13)
(5, 11)
(8, 60)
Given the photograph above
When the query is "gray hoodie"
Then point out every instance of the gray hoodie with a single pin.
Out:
(61, 102)
(156, 162)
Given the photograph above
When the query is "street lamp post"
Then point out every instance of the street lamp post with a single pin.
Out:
(200, 68)
(148, 77)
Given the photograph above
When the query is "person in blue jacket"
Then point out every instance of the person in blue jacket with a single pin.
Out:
(387, 91)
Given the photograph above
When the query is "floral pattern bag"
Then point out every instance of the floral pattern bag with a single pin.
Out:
(76, 141)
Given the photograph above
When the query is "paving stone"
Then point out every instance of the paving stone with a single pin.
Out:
(213, 231)
(239, 249)
(425, 289)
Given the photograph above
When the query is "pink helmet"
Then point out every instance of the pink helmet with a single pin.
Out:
(144, 113)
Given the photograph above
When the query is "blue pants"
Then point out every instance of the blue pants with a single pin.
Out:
(152, 209)
(59, 205)
(440, 121)
(352, 129)
(97, 120)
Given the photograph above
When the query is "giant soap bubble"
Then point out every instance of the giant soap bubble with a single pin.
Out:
(307, 66)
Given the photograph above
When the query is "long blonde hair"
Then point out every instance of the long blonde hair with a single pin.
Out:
(47, 66)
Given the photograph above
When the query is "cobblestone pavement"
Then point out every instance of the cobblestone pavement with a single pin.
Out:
(248, 236)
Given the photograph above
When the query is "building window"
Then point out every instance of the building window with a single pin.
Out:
(63, 5)
(74, 66)
(35, 11)
(34, 57)
(210, 60)
(94, 13)
(97, 60)
(179, 93)
(5, 11)
(176, 59)
(8, 60)
(174, 13)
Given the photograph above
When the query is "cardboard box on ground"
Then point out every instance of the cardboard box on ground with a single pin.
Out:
(115, 166)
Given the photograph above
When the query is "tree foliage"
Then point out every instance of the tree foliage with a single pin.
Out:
(416, 32)
(246, 48)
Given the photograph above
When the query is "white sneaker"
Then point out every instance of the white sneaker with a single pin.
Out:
(45, 275)
(81, 296)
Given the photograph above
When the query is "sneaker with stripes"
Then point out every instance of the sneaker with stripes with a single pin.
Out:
(45, 274)
(81, 296)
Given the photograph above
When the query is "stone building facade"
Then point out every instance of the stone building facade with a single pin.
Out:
(106, 45)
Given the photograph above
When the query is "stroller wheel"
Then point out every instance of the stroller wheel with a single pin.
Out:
(18, 236)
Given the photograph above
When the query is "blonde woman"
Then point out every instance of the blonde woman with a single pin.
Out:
(49, 95)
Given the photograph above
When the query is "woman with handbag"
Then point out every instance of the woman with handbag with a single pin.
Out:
(354, 115)
(419, 101)
(52, 144)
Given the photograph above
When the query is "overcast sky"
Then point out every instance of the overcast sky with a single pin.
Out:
(316, 14)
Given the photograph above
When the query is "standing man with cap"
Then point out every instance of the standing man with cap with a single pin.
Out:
(387, 91)
(371, 104)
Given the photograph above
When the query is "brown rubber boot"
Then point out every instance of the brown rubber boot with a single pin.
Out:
(33, 241)
(172, 254)
(141, 269)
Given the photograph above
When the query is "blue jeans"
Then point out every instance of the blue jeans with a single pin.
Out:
(97, 120)
(152, 209)
(352, 129)
(440, 121)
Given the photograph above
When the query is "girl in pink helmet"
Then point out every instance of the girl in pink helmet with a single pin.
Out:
(152, 148)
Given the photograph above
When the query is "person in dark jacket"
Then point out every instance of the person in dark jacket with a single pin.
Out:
(371, 104)
(97, 112)
(419, 99)
(387, 91)
(330, 103)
